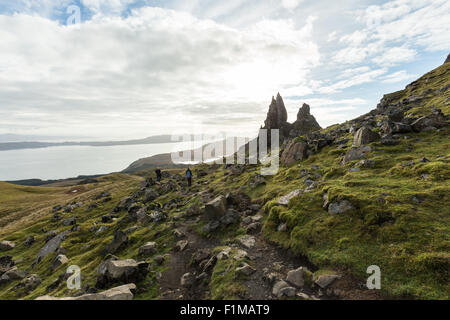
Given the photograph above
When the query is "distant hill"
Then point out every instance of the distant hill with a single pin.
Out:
(36, 144)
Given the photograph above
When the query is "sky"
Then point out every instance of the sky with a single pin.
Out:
(122, 69)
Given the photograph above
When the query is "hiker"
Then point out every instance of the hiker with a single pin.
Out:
(158, 175)
(189, 176)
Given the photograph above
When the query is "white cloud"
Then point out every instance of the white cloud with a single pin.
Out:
(107, 6)
(392, 56)
(148, 73)
(291, 4)
(354, 79)
(398, 76)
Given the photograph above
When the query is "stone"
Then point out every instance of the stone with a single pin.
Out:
(305, 122)
(357, 153)
(150, 195)
(148, 249)
(325, 280)
(159, 259)
(283, 289)
(52, 245)
(121, 271)
(284, 200)
(216, 208)
(365, 136)
(124, 292)
(245, 270)
(339, 207)
(295, 277)
(435, 120)
(7, 245)
(14, 274)
(29, 283)
(181, 245)
(178, 234)
(69, 222)
(277, 114)
(187, 280)
(294, 151)
(142, 217)
(29, 241)
(6, 263)
(231, 216)
(59, 261)
(247, 241)
(119, 241)
(211, 227)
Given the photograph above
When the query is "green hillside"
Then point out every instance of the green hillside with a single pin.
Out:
(393, 205)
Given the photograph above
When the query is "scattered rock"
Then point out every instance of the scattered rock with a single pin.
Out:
(245, 270)
(247, 241)
(148, 249)
(119, 241)
(365, 136)
(215, 209)
(295, 277)
(283, 289)
(7, 245)
(339, 207)
(356, 154)
(28, 284)
(181, 245)
(294, 151)
(121, 271)
(124, 292)
(59, 261)
(150, 195)
(284, 200)
(52, 245)
(69, 221)
(325, 280)
(187, 280)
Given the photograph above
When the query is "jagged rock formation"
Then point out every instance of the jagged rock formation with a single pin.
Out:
(277, 119)
(448, 59)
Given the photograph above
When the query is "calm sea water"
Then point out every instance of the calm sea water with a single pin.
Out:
(72, 161)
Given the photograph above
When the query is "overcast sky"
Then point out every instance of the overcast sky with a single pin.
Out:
(132, 69)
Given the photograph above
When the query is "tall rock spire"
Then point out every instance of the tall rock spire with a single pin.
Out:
(277, 115)
(305, 122)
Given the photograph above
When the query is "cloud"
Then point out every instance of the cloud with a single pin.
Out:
(398, 76)
(291, 4)
(152, 71)
(394, 55)
(355, 77)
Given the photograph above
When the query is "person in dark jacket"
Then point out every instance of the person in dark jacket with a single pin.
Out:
(158, 175)
(189, 176)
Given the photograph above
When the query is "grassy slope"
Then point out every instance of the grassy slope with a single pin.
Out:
(409, 241)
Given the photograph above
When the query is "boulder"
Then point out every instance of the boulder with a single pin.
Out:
(6, 245)
(365, 136)
(148, 249)
(28, 284)
(283, 289)
(339, 207)
(142, 217)
(69, 221)
(247, 241)
(181, 245)
(231, 216)
(284, 200)
(215, 209)
(357, 153)
(12, 274)
(435, 120)
(295, 277)
(325, 280)
(119, 241)
(294, 151)
(187, 280)
(121, 271)
(52, 245)
(124, 292)
(6, 263)
(29, 241)
(59, 261)
(245, 270)
(150, 195)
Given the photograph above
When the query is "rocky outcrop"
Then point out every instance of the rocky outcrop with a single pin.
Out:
(364, 136)
(277, 115)
(305, 122)
(284, 200)
(119, 241)
(447, 60)
(52, 245)
(114, 270)
(124, 292)
(294, 151)
(433, 121)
